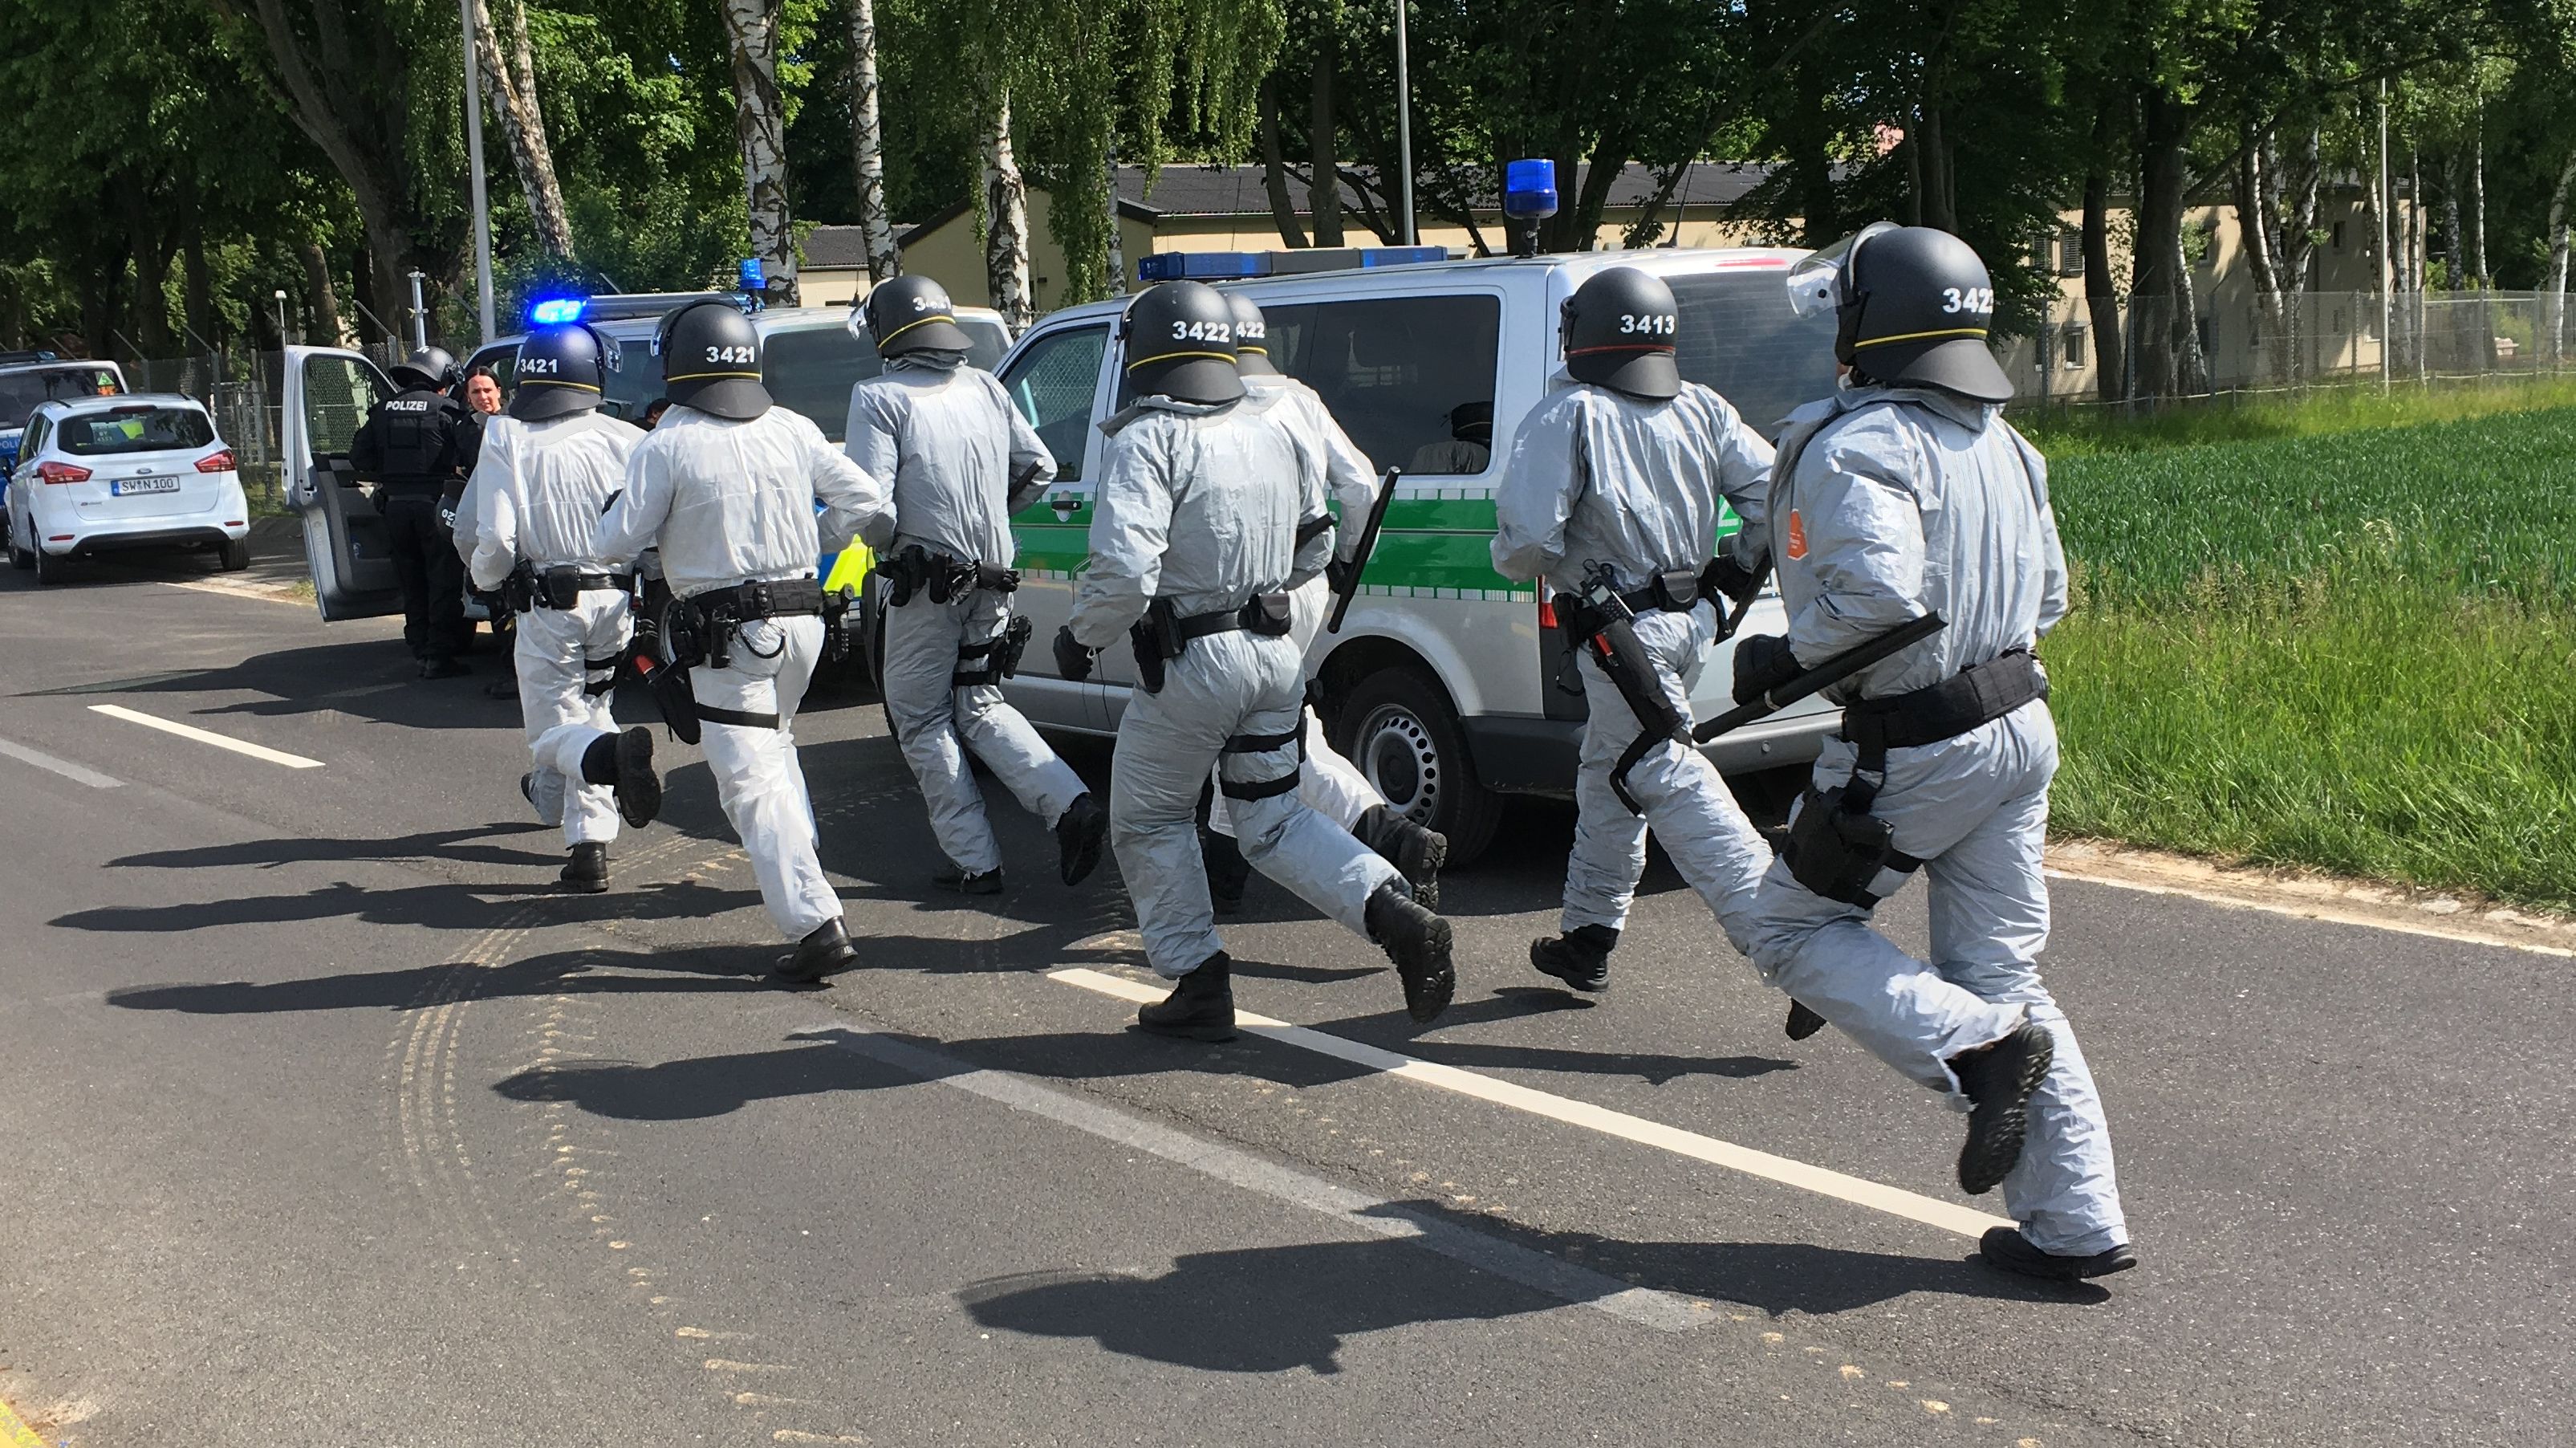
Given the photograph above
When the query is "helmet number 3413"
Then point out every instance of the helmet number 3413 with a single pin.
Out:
(1659, 324)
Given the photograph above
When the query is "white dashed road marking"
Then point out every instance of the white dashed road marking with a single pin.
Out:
(206, 736)
(1895, 1201)
(78, 774)
(1645, 1306)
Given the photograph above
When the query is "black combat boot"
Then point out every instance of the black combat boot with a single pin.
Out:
(1228, 872)
(624, 762)
(826, 949)
(2007, 1248)
(528, 788)
(950, 876)
(1200, 1007)
(1417, 853)
(1580, 957)
(1802, 1021)
(444, 668)
(1999, 1080)
(587, 872)
(1079, 833)
(1418, 942)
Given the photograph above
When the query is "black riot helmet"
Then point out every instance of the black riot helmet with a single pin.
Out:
(562, 369)
(912, 314)
(1179, 338)
(1618, 330)
(711, 359)
(1912, 306)
(428, 367)
(1251, 338)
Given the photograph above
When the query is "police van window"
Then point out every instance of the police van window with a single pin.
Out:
(21, 392)
(812, 369)
(1053, 382)
(1740, 338)
(146, 428)
(339, 392)
(1411, 379)
(503, 363)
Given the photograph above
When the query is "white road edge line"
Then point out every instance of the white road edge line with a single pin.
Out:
(2325, 913)
(204, 736)
(1895, 1201)
(1374, 1215)
(77, 773)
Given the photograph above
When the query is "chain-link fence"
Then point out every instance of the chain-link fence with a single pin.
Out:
(240, 390)
(2089, 354)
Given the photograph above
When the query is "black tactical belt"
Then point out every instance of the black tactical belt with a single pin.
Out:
(769, 598)
(1263, 744)
(606, 669)
(1253, 617)
(1973, 696)
(1678, 591)
(1314, 528)
(741, 718)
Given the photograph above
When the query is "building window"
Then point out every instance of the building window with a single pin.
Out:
(2338, 236)
(2070, 253)
(2078, 340)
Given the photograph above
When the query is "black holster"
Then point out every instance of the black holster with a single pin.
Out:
(1157, 640)
(677, 701)
(1837, 848)
(519, 590)
(836, 625)
(1608, 630)
(995, 659)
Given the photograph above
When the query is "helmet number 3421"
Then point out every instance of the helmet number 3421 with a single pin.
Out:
(732, 354)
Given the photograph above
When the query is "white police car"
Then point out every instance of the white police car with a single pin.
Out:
(1444, 685)
(121, 473)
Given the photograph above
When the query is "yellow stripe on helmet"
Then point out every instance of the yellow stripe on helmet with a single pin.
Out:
(1177, 356)
(1921, 336)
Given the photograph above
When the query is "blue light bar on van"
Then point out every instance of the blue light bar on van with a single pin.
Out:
(555, 311)
(749, 277)
(1529, 189)
(1220, 266)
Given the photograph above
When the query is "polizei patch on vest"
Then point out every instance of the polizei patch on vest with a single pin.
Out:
(1797, 535)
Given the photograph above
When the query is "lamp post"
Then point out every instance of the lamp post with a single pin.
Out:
(1403, 131)
(474, 171)
(420, 315)
(281, 319)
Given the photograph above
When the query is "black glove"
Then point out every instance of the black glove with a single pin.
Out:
(1762, 662)
(1731, 579)
(1072, 660)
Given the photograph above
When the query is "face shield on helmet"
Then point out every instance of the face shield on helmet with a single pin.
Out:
(1816, 283)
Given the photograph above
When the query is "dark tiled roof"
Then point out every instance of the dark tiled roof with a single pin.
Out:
(839, 246)
(1184, 190)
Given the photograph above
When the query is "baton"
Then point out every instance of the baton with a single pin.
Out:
(1832, 671)
(1367, 545)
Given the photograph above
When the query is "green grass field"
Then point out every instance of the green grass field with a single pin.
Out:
(2354, 651)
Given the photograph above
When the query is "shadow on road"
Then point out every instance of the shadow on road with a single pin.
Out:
(1277, 1309)
(570, 972)
(441, 906)
(448, 845)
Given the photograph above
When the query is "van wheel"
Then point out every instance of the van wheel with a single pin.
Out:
(236, 555)
(1398, 727)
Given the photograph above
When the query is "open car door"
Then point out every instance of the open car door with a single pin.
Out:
(327, 392)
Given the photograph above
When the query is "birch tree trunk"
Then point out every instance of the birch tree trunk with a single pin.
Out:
(2478, 203)
(510, 85)
(759, 126)
(2557, 234)
(1117, 239)
(2258, 195)
(1006, 218)
(867, 145)
(2101, 293)
(2300, 252)
(324, 302)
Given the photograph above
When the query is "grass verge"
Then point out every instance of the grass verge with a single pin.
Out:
(2355, 651)
(2354, 407)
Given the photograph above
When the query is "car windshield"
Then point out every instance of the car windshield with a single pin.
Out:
(21, 392)
(1740, 337)
(164, 428)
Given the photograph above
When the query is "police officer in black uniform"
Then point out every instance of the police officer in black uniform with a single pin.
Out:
(412, 447)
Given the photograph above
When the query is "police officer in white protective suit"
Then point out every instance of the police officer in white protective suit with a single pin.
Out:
(727, 487)
(546, 471)
(1194, 557)
(1905, 495)
(1613, 498)
(1331, 785)
(961, 460)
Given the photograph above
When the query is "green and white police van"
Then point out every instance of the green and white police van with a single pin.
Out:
(1444, 683)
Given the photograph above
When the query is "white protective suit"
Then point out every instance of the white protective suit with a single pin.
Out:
(1200, 505)
(1331, 786)
(729, 503)
(1599, 477)
(536, 493)
(1895, 503)
(961, 460)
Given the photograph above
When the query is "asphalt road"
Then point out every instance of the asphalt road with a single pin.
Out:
(322, 1121)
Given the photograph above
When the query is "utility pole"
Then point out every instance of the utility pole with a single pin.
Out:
(419, 315)
(474, 169)
(281, 319)
(2387, 308)
(1403, 130)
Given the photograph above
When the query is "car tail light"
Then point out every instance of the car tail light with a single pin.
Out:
(216, 462)
(61, 473)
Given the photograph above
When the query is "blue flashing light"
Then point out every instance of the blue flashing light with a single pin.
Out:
(1202, 266)
(1402, 255)
(750, 278)
(556, 311)
(1529, 189)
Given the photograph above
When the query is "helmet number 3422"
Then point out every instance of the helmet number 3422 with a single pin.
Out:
(1971, 299)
